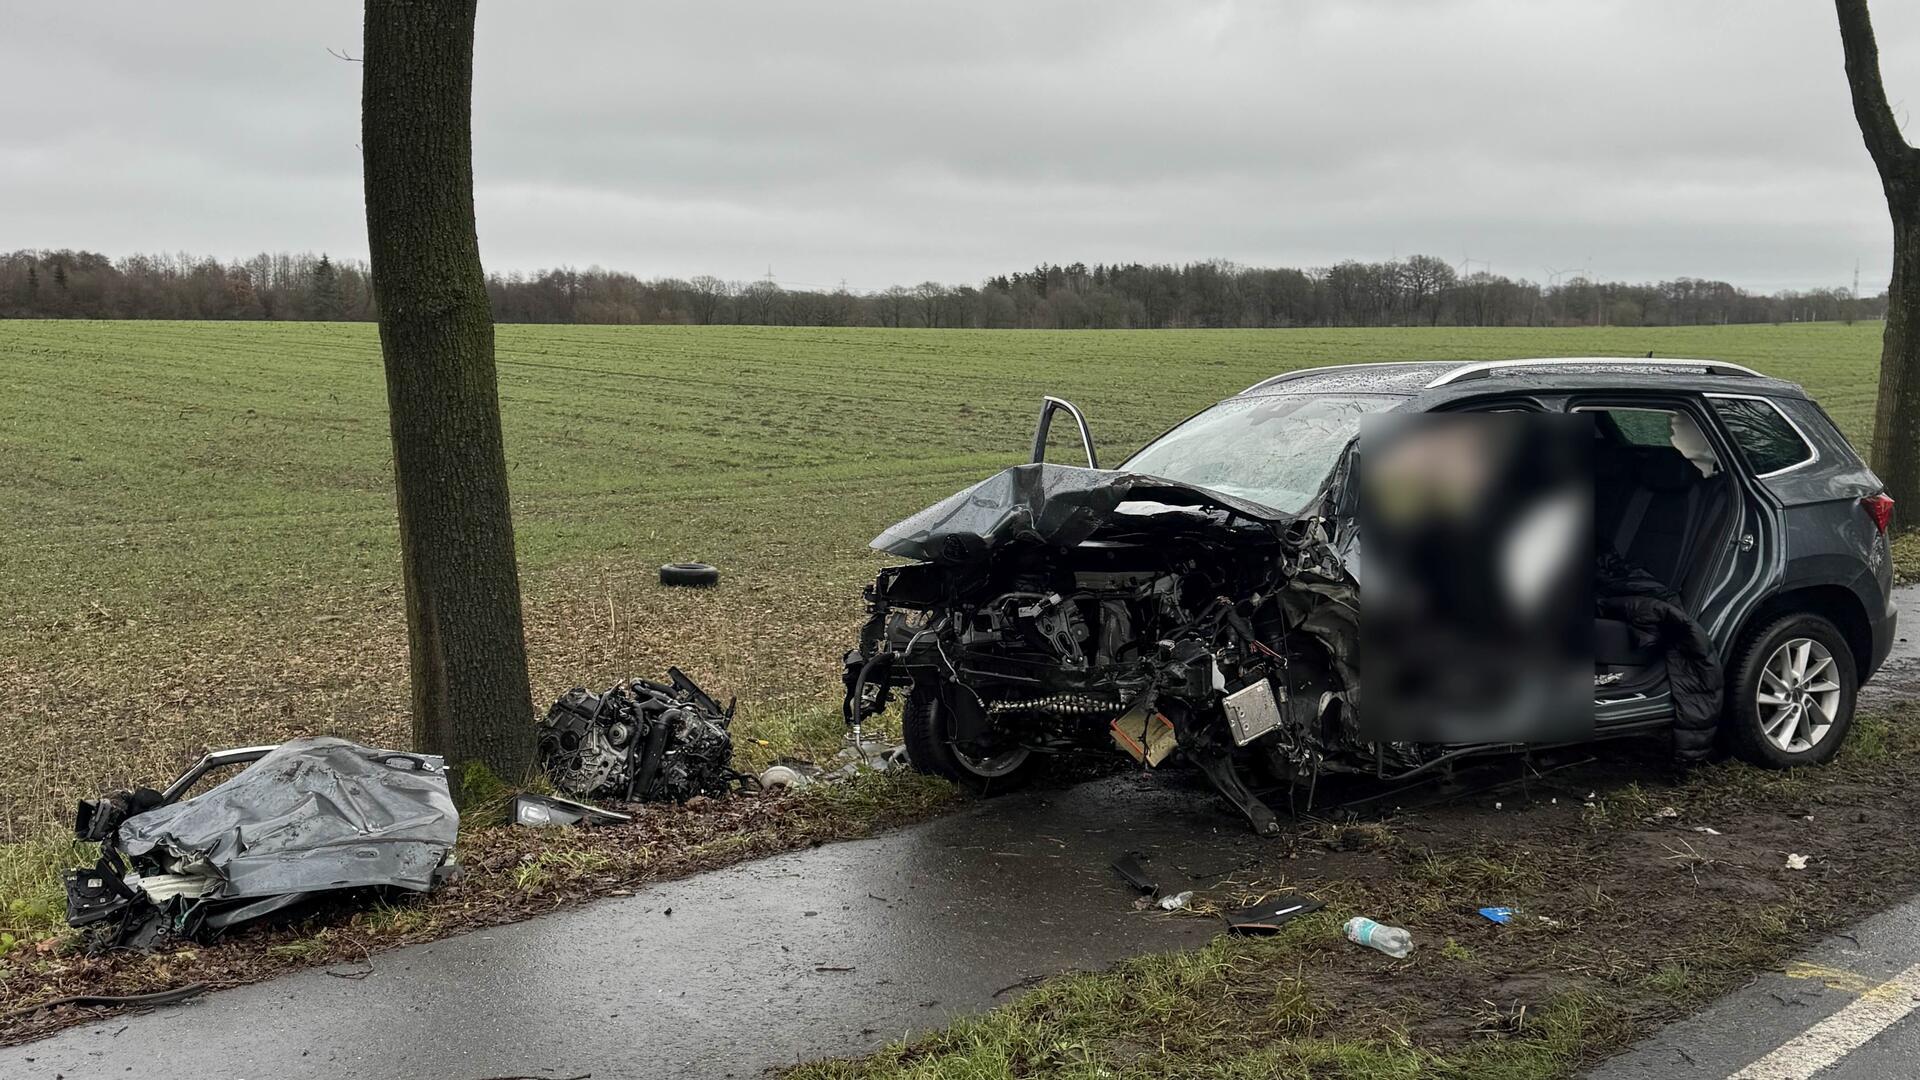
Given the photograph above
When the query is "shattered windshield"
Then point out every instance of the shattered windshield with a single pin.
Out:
(1273, 450)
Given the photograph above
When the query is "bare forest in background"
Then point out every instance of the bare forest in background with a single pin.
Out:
(1421, 290)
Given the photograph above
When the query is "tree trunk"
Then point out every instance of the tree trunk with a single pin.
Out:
(471, 700)
(1896, 414)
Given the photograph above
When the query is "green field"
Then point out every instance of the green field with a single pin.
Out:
(198, 530)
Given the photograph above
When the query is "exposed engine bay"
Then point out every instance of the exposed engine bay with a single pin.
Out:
(1054, 608)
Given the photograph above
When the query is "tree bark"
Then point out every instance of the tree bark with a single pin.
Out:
(471, 700)
(1896, 415)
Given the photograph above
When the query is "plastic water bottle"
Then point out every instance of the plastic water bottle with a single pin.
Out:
(1391, 940)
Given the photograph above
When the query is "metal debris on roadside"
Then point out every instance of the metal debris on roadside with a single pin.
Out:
(865, 755)
(1177, 901)
(776, 777)
(543, 811)
(868, 755)
(308, 817)
(1130, 871)
(655, 742)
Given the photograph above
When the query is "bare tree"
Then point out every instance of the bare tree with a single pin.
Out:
(1896, 416)
(705, 298)
(893, 305)
(1426, 277)
(930, 294)
(471, 700)
(761, 301)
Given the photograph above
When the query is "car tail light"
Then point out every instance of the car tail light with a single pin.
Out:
(1880, 509)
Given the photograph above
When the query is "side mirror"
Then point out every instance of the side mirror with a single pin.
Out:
(1048, 406)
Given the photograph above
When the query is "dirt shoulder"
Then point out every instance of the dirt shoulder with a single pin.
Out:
(1630, 912)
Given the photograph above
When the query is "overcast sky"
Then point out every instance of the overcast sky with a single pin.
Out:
(893, 142)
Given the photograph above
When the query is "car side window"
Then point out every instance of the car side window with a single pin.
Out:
(1643, 427)
(1770, 442)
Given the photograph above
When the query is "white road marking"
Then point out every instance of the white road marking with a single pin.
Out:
(1826, 1042)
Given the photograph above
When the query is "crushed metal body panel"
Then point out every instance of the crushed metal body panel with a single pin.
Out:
(1056, 505)
(309, 816)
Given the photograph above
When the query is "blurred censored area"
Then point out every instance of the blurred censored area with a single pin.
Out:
(1476, 598)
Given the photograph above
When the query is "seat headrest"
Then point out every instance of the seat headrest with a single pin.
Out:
(1667, 469)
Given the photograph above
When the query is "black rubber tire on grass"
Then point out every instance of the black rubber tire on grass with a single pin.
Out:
(695, 574)
(1744, 731)
(923, 727)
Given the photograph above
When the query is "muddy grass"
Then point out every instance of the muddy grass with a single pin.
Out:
(509, 874)
(1629, 915)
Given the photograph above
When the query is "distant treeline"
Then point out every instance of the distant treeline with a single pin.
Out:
(1417, 291)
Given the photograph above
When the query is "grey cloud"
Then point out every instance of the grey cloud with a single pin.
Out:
(882, 142)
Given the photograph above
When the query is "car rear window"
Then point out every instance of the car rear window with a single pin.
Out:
(1643, 427)
(1770, 442)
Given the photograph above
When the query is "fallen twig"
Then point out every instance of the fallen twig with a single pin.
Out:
(158, 997)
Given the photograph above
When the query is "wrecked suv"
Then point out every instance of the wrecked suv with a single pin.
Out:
(1723, 573)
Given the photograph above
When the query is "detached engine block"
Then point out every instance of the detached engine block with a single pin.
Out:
(655, 742)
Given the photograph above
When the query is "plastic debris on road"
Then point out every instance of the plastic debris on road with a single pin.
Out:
(1392, 940)
(1269, 915)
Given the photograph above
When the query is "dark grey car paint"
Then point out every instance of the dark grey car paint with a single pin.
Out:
(1830, 539)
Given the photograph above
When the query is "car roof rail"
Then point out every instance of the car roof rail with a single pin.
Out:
(1488, 368)
(1301, 373)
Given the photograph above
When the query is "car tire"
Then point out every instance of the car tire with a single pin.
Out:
(930, 749)
(1791, 694)
(695, 574)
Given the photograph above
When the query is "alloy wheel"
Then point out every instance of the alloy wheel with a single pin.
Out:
(1799, 695)
(992, 765)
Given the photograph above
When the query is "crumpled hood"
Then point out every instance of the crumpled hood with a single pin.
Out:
(1056, 505)
(316, 813)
